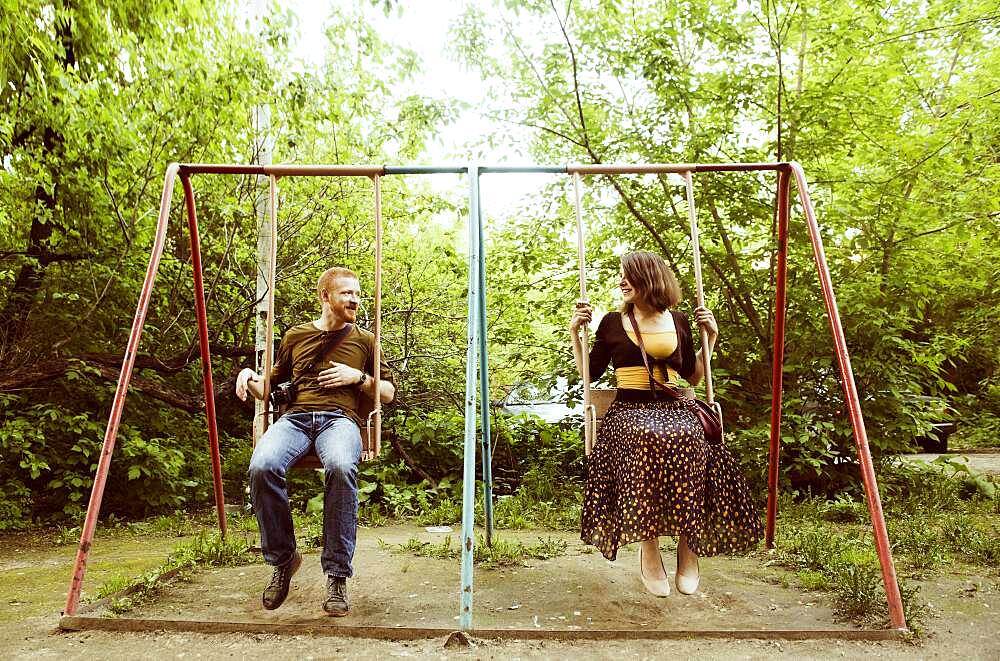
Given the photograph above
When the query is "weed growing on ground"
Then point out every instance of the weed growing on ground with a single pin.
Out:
(845, 563)
(212, 550)
(177, 524)
(521, 511)
(501, 553)
(205, 549)
(978, 542)
(371, 515)
(445, 512)
(113, 585)
(413, 546)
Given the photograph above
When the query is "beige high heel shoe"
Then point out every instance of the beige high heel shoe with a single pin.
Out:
(686, 584)
(657, 587)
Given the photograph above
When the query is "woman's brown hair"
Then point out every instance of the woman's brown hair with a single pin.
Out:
(653, 281)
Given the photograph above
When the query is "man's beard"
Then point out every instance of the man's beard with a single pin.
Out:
(347, 312)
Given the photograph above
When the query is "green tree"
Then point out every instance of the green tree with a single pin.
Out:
(892, 112)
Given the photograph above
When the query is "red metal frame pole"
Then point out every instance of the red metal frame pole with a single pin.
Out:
(111, 433)
(778, 355)
(206, 358)
(896, 615)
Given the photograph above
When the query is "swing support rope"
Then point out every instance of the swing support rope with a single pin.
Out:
(581, 338)
(706, 354)
(272, 189)
(477, 332)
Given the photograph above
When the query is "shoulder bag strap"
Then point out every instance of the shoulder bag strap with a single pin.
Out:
(332, 343)
(672, 392)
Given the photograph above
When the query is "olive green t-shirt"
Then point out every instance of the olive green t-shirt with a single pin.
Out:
(298, 361)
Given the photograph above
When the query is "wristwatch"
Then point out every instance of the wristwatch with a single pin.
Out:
(364, 379)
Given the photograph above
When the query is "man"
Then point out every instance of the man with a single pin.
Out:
(329, 362)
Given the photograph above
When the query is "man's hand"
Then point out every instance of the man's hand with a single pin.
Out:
(246, 375)
(339, 375)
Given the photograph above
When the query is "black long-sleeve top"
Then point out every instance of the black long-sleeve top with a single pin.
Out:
(613, 346)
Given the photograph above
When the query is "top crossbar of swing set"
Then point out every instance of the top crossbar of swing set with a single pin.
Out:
(477, 340)
(283, 170)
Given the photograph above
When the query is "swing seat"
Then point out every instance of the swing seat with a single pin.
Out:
(366, 405)
(601, 398)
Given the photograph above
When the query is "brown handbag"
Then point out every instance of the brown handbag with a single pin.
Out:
(703, 410)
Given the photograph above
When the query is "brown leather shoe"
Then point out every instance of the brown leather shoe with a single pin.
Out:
(276, 591)
(336, 603)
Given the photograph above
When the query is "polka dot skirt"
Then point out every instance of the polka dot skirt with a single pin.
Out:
(652, 474)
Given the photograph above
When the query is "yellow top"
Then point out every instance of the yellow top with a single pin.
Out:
(659, 344)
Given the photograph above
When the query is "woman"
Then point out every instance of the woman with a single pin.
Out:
(651, 471)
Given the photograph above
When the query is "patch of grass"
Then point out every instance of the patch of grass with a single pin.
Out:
(859, 592)
(813, 580)
(205, 549)
(846, 564)
(309, 529)
(509, 514)
(945, 485)
(243, 522)
(521, 511)
(920, 547)
(445, 512)
(979, 543)
(371, 515)
(211, 550)
(413, 546)
(113, 585)
(65, 536)
(175, 524)
(502, 553)
(844, 509)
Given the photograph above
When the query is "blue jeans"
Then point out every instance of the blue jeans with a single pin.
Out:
(338, 444)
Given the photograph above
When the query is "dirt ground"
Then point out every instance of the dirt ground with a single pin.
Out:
(577, 591)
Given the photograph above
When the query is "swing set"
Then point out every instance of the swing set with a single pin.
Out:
(595, 401)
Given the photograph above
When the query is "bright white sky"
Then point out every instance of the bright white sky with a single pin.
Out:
(423, 26)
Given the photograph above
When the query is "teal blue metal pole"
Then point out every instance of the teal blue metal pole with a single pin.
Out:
(469, 471)
(484, 373)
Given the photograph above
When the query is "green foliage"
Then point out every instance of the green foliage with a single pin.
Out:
(93, 104)
(893, 121)
(59, 448)
(889, 113)
(979, 428)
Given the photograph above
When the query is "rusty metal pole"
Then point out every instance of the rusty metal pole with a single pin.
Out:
(778, 355)
(111, 432)
(896, 615)
(206, 356)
